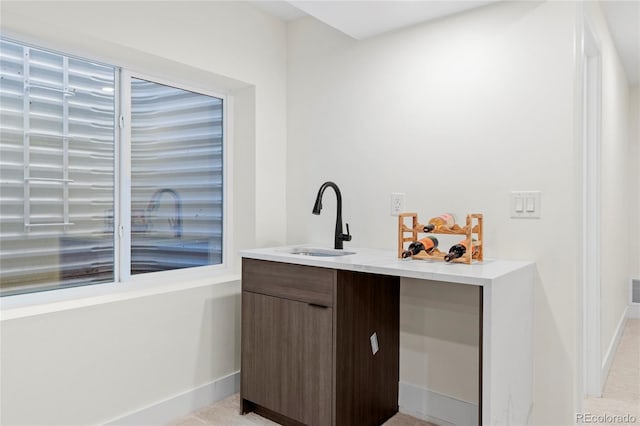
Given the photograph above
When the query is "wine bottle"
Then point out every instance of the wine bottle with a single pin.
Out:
(427, 244)
(425, 228)
(445, 220)
(458, 250)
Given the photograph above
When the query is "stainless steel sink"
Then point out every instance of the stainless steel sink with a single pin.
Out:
(319, 252)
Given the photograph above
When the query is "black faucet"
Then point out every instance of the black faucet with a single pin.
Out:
(154, 203)
(339, 237)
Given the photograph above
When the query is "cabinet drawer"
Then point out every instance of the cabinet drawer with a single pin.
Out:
(295, 282)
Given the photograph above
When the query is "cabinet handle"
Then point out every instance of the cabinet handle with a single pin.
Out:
(315, 305)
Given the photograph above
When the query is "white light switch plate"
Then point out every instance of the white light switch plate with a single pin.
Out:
(526, 204)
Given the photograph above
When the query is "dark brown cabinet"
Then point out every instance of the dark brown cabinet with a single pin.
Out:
(307, 353)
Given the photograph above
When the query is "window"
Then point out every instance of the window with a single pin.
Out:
(69, 178)
(176, 178)
(56, 169)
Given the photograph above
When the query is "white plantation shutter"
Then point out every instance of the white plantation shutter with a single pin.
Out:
(56, 170)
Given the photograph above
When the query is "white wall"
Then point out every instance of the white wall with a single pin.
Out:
(96, 363)
(634, 136)
(617, 187)
(439, 334)
(456, 114)
(93, 364)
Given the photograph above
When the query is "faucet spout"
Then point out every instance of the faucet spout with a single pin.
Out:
(339, 237)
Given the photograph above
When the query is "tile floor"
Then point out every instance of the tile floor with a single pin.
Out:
(225, 413)
(621, 394)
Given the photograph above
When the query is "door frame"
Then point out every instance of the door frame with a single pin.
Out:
(590, 143)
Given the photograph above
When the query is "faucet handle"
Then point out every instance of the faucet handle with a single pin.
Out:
(347, 236)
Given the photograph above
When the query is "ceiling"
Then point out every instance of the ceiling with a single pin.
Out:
(363, 19)
(624, 25)
(381, 16)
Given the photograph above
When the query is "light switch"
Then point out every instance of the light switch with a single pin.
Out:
(526, 204)
(531, 204)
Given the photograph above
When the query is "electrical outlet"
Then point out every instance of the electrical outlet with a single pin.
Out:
(397, 203)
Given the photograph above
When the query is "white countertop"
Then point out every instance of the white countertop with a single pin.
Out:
(386, 262)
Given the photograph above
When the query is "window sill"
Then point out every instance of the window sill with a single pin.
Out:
(26, 305)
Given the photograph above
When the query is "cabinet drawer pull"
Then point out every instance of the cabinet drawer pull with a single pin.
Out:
(315, 305)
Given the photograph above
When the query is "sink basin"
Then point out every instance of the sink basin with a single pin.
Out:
(320, 252)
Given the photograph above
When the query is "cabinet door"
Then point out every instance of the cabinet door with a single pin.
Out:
(287, 357)
(367, 382)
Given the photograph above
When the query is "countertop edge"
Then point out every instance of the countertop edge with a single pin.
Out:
(385, 262)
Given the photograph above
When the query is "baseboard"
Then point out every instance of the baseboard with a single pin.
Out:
(613, 346)
(633, 311)
(181, 405)
(436, 408)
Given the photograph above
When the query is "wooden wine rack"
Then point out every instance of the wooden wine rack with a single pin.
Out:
(472, 232)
